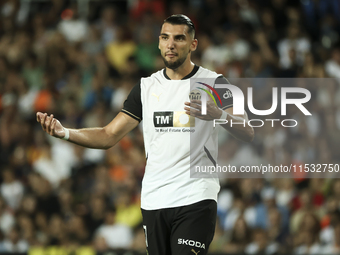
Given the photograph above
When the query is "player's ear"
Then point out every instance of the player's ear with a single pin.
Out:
(193, 45)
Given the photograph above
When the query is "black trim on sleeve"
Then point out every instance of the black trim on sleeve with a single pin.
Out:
(133, 104)
(225, 94)
(222, 79)
(131, 115)
(226, 107)
(192, 73)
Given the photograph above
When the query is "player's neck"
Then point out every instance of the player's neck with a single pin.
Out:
(180, 72)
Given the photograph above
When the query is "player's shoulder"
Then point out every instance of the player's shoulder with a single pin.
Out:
(154, 76)
(206, 73)
(154, 79)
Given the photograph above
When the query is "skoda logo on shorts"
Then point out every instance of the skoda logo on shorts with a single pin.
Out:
(191, 243)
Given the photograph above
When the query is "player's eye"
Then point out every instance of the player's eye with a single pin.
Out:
(164, 37)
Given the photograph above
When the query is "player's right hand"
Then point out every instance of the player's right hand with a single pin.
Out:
(50, 125)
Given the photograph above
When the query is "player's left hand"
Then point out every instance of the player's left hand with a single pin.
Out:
(193, 108)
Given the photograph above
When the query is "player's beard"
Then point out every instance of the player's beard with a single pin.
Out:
(174, 65)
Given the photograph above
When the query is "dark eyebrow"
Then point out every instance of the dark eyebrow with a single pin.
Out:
(180, 36)
(176, 36)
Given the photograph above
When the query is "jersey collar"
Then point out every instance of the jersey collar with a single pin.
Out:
(192, 73)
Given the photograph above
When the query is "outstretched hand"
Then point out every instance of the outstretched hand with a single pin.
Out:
(50, 125)
(193, 108)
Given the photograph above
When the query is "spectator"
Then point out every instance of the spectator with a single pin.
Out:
(257, 68)
(293, 41)
(93, 45)
(147, 50)
(12, 190)
(119, 51)
(139, 243)
(156, 7)
(277, 231)
(26, 98)
(309, 244)
(77, 230)
(50, 167)
(116, 235)
(33, 73)
(240, 237)
(238, 209)
(29, 205)
(96, 215)
(47, 201)
(107, 25)
(100, 244)
(7, 221)
(56, 230)
(308, 235)
(307, 207)
(99, 93)
(332, 66)
(327, 233)
(261, 244)
(335, 247)
(72, 27)
(269, 215)
(13, 243)
(128, 211)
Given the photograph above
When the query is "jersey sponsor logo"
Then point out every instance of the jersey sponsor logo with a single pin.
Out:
(173, 119)
(191, 243)
(153, 94)
(227, 94)
(163, 119)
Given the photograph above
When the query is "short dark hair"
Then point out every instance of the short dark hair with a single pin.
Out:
(180, 19)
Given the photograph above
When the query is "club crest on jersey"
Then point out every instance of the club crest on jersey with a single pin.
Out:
(195, 95)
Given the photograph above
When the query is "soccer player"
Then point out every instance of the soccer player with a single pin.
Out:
(179, 212)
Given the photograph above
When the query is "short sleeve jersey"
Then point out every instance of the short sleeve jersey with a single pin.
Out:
(173, 140)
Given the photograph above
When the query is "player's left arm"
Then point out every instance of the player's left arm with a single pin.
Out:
(224, 99)
(237, 125)
(241, 130)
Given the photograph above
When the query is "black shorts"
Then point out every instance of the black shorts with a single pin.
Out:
(180, 230)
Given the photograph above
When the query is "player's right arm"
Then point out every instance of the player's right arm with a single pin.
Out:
(97, 138)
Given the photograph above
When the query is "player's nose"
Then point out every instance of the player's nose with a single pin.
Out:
(171, 43)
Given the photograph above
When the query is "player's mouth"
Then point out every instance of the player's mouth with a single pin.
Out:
(170, 55)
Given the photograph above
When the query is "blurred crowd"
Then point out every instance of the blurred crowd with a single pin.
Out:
(79, 62)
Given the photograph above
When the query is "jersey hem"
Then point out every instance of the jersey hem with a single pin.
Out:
(179, 205)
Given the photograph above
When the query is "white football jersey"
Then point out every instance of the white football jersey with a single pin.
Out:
(173, 140)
